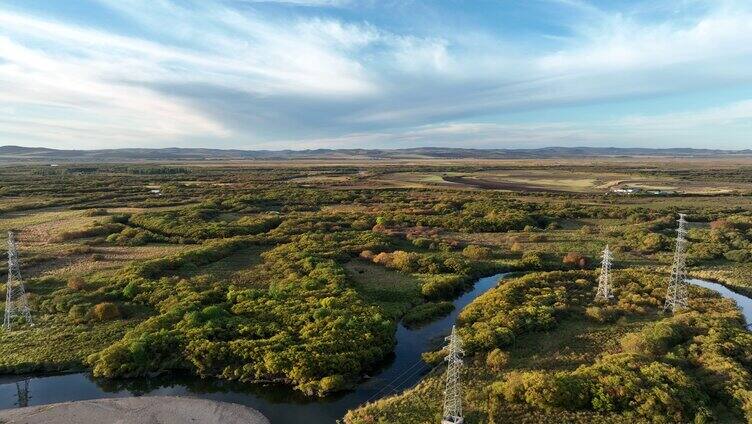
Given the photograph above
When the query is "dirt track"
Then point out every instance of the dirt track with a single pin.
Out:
(499, 185)
(139, 410)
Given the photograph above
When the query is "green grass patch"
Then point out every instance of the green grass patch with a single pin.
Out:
(393, 291)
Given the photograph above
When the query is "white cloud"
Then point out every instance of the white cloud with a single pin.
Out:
(620, 44)
(207, 69)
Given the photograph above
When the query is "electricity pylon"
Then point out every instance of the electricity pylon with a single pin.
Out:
(678, 289)
(604, 280)
(15, 294)
(453, 391)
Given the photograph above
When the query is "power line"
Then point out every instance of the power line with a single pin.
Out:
(404, 376)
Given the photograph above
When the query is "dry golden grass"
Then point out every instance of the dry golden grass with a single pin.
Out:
(49, 232)
(101, 258)
(29, 220)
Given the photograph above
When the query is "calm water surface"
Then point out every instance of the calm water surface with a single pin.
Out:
(743, 302)
(280, 404)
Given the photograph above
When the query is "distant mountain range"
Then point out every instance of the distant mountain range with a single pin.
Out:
(40, 154)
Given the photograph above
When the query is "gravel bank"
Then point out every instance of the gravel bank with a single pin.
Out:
(139, 410)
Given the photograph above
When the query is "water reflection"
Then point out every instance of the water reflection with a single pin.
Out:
(743, 302)
(22, 393)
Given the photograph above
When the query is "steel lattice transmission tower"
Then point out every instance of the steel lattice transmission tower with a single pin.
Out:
(678, 289)
(453, 391)
(15, 294)
(604, 280)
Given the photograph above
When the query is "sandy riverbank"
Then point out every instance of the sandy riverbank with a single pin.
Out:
(139, 410)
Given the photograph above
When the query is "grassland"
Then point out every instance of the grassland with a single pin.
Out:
(393, 291)
(244, 271)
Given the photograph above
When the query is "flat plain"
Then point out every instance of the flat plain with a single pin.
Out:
(298, 272)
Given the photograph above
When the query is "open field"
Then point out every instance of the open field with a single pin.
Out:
(299, 271)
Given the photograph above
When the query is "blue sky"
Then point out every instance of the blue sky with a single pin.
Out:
(303, 74)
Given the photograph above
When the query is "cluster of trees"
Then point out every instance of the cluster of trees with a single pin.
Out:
(627, 384)
(673, 370)
(291, 199)
(202, 222)
(250, 334)
(96, 230)
(498, 215)
(443, 275)
(534, 302)
(413, 262)
(729, 238)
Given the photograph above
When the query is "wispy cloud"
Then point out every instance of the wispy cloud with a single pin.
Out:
(311, 3)
(236, 73)
(689, 129)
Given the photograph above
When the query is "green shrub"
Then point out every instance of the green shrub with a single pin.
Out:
(497, 359)
(79, 313)
(649, 390)
(105, 311)
(656, 338)
(531, 260)
(738, 255)
(97, 230)
(434, 358)
(602, 314)
(538, 238)
(422, 242)
(476, 253)
(436, 287)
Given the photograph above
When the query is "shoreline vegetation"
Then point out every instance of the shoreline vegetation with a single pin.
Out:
(301, 274)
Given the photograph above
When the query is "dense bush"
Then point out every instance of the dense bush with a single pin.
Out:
(202, 222)
(497, 359)
(603, 313)
(670, 371)
(574, 259)
(105, 311)
(530, 303)
(131, 236)
(93, 231)
(738, 255)
(655, 391)
(476, 252)
(76, 283)
(254, 334)
(96, 212)
(656, 339)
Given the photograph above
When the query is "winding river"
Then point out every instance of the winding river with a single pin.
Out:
(278, 403)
